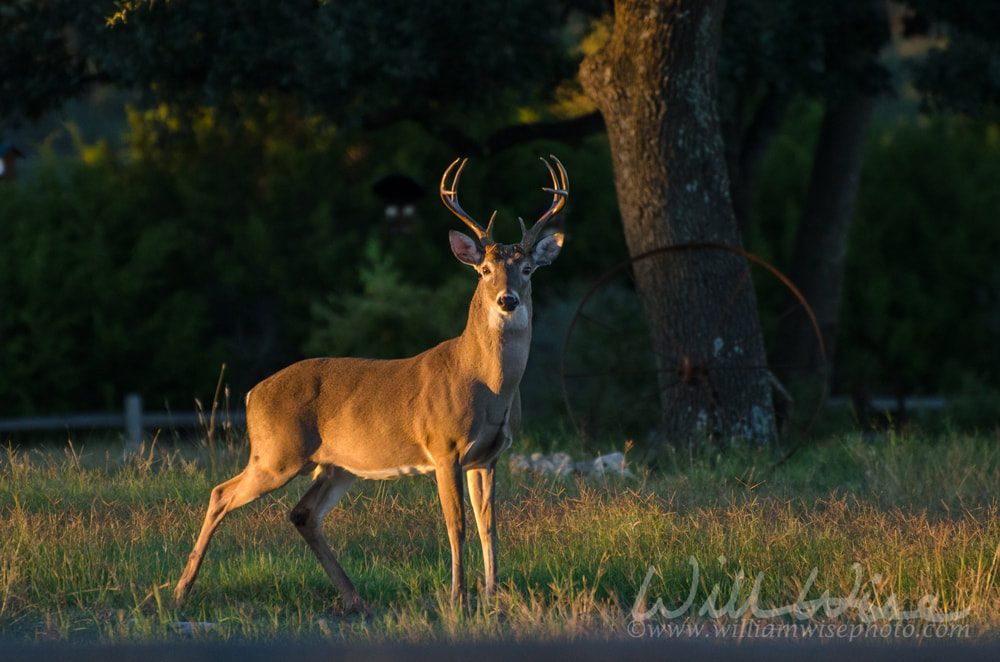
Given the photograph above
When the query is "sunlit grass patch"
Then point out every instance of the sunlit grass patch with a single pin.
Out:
(91, 545)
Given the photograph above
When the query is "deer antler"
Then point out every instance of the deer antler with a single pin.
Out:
(559, 191)
(450, 199)
(438, 405)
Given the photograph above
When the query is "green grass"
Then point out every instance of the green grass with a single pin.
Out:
(91, 546)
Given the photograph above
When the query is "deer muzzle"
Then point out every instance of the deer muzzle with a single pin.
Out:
(508, 301)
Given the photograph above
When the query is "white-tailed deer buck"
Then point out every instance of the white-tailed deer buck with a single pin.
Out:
(449, 410)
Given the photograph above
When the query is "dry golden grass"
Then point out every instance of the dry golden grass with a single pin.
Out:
(90, 547)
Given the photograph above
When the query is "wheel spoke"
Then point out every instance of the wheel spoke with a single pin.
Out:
(599, 322)
(611, 373)
(628, 365)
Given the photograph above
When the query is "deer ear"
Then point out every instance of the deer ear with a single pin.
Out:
(465, 248)
(547, 249)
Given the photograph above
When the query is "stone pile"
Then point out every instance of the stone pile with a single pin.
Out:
(561, 464)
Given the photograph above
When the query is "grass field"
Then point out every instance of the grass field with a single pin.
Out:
(857, 531)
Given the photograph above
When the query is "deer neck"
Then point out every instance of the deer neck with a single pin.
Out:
(496, 346)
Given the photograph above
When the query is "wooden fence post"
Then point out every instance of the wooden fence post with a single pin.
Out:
(133, 422)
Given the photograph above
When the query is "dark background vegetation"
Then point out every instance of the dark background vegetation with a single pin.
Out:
(227, 216)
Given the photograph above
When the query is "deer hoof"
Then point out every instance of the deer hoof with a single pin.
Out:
(357, 606)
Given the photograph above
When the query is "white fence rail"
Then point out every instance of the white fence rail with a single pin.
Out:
(889, 403)
(133, 421)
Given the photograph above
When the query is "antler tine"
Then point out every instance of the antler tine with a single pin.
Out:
(489, 226)
(559, 191)
(450, 199)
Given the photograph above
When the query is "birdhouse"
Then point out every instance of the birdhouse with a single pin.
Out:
(8, 156)
(399, 195)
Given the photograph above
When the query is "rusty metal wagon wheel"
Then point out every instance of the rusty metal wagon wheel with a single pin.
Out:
(610, 370)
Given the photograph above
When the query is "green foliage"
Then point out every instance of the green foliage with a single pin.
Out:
(798, 48)
(392, 317)
(961, 71)
(207, 243)
(148, 275)
(88, 306)
(922, 292)
(349, 59)
(612, 385)
(781, 188)
(41, 64)
(919, 311)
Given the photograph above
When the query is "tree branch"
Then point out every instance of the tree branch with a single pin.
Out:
(567, 131)
(751, 147)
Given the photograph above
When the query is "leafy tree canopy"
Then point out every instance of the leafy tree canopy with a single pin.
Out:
(441, 63)
(962, 71)
(351, 60)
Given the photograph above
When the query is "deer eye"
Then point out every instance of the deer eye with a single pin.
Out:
(485, 270)
(526, 270)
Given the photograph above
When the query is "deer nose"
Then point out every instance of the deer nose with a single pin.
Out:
(508, 301)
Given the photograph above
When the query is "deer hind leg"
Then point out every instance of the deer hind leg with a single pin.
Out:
(481, 493)
(329, 487)
(250, 484)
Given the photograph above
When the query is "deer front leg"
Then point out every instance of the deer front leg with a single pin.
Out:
(449, 482)
(481, 492)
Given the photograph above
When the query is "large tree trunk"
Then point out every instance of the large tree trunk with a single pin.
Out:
(655, 85)
(821, 243)
(747, 147)
(854, 41)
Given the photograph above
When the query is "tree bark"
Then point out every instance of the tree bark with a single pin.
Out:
(821, 243)
(749, 145)
(655, 85)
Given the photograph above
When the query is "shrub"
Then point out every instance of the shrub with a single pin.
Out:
(920, 309)
(392, 317)
(205, 244)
